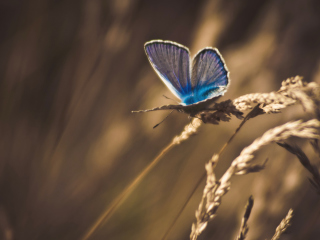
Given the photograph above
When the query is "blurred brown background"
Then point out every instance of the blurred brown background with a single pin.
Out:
(72, 71)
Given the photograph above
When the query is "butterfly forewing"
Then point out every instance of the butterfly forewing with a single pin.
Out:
(171, 61)
(209, 77)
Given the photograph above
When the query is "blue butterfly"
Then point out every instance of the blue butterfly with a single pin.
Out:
(197, 82)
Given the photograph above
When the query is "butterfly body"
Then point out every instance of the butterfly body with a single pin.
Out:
(197, 82)
(193, 109)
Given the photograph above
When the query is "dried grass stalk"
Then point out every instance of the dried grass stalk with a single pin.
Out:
(285, 223)
(306, 163)
(214, 190)
(244, 226)
(293, 90)
(189, 130)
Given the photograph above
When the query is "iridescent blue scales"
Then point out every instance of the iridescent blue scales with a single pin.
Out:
(197, 82)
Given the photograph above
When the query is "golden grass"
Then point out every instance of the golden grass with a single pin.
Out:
(292, 91)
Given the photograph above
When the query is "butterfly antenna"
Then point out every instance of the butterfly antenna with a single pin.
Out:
(162, 120)
(170, 99)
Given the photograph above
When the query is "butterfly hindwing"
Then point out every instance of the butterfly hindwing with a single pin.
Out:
(209, 77)
(171, 61)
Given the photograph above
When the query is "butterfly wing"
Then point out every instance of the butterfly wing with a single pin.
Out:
(209, 77)
(171, 61)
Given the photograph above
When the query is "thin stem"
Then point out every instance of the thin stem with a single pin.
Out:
(249, 115)
(188, 131)
(125, 193)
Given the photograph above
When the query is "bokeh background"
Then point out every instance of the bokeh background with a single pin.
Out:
(72, 72)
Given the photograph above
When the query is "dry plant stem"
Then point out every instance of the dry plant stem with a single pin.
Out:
(189, 130)
(123, 195)
(304, 160)
(293, 90)
(285, 223)
(249, 115)
(267, 103)
(244, 226)
(183, 207)
(213, 192)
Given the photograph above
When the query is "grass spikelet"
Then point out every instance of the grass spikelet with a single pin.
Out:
(213, 192)
(189, 130)
(284, 224)
(244, 226)
(304, 160)
(292, 90)
(270, 102)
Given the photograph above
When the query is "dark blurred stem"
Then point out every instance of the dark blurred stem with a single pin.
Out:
(251, 114)
(184, 206)
(125, 193)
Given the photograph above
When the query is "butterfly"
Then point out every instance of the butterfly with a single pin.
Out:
(197, 82)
